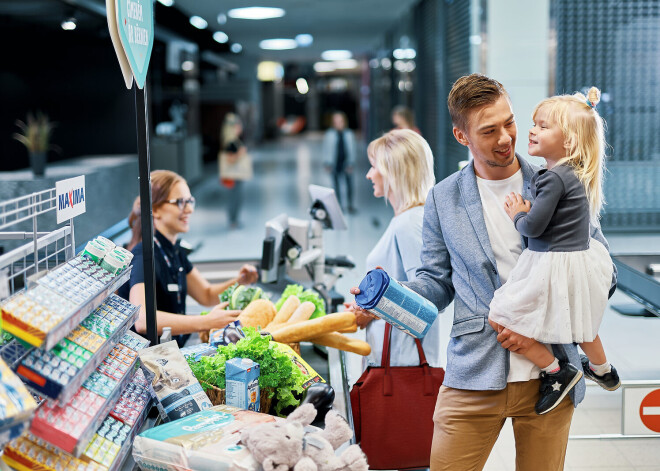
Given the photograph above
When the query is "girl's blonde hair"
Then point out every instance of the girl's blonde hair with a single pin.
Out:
(584, 134)
(405, 161)
(229, 134)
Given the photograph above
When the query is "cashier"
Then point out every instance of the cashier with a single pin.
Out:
(176, 277)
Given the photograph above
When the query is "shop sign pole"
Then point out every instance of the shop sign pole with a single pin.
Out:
(131, 25)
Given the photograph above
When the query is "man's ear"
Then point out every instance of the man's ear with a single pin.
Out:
(460, 135)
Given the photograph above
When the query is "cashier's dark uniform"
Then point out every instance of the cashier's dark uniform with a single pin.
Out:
(172, 266)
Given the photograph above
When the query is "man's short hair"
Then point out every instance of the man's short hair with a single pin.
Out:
(470, 92)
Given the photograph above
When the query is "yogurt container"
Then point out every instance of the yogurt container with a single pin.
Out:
(95, 252)
(127, 254)
(389, 300)
(113, 263)
(107, 243)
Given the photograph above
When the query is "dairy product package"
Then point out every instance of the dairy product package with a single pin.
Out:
(242, 383)
(395, 303)
(206, 441)
(176, 389)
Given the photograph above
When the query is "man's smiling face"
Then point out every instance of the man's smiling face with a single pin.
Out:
(491, 137)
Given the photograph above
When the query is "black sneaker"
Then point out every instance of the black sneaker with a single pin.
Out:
(609, 381)
(555, 386)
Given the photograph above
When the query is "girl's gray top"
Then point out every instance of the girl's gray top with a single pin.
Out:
(559, 218)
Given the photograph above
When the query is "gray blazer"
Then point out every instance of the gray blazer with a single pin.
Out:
(458, 265)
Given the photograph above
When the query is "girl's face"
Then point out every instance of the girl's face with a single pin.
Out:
(169, 219)
(546, 138)
(376, 179)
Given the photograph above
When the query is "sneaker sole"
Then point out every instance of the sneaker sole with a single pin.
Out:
(613, 388)
(570, 386)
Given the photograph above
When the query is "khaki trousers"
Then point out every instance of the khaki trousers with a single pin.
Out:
(467, 424)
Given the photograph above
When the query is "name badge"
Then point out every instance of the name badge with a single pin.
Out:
(172, 287)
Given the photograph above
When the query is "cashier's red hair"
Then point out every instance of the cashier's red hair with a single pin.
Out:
(162, 182)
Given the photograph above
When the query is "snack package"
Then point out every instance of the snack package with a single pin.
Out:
(16, 402)
(205, 441)
(178, 392)
(311, 376)
(198, 351)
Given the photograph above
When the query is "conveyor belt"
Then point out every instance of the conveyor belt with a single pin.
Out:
(639, 278)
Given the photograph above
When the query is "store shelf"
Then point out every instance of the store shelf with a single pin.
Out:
(47, 340)
(72, 426)
(31, 367)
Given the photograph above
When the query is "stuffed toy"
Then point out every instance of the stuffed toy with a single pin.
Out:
(292, 444)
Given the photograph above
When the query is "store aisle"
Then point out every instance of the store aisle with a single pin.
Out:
(283, 171)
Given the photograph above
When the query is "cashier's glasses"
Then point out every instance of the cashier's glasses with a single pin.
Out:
(182, 202)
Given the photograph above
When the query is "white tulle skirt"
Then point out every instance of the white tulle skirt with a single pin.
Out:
(556, 297)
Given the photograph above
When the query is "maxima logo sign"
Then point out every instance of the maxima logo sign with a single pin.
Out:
(70, 195)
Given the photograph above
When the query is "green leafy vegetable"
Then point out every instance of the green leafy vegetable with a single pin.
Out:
(303, 295)
(239, 296)
(277, 371)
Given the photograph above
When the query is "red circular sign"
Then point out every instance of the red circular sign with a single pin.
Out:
(649, 410)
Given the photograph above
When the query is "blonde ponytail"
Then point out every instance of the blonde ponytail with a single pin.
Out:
(584, 131)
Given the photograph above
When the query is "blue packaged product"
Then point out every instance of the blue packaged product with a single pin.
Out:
(242, 383)
(400, 306)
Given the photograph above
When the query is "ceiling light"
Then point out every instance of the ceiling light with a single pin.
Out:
(278, 44)
(408, 53)
(304, 40)
(269, 71)
(302, 86)
(256, 13)
(220, 37)
(336, 55)
(187, 66)
(222, 19)
(167, 3)
(69, 24)
(346, 64)
(236, 48)
(198, 22)
(324, 67)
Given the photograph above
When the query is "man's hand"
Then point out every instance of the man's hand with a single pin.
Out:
(247, 275)
(514, 204)
(514, 342)
(362, 317)
(219, 317)
(496, 327)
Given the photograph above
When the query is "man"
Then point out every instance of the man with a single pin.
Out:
(470, 246)
(339, 156)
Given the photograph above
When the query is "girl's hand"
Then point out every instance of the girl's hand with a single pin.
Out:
(514, 204)
(247, 275)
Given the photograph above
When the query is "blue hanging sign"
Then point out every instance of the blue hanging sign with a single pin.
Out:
(135, 25)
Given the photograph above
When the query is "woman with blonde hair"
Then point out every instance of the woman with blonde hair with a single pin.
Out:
(402, 173)
(172, 206)
(558, 290)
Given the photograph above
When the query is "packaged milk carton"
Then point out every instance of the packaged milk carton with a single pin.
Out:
(242, 383)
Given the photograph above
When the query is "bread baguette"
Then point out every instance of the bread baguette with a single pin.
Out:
(303, 313)
(313, 328)
(348, 330)
(287, 309)
(342, 342)
(258, 313)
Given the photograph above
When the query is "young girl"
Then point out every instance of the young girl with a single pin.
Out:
(558, 290)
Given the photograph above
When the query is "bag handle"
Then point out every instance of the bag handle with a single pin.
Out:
(385, 362)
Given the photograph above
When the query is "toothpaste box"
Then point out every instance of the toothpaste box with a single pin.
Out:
(242, 383)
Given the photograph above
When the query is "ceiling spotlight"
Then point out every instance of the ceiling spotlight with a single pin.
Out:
(302, 86)
(69, 24)
(198, 22)
(336, 55)
(346, 64)
(222, 19)
(408, 53)
(256, 13)
(236, 48)
(167, 3)
(324, 67)
(187, 65)
(304, 40)
(220, 37)
(278, 44)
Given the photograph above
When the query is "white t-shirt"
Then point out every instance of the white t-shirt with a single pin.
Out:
(506, 243)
